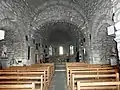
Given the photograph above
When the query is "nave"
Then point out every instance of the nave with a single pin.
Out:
(59, 44)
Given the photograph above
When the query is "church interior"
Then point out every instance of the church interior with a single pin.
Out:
(59, 44)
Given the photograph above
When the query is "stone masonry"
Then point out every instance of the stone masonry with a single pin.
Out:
(27, 24)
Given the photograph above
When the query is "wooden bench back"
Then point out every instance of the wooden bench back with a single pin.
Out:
(32, 72)
(51, 65)
(20, 82)
(92, 78)
(98, 85)
(84, 69)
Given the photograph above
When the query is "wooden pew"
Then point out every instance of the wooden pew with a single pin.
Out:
(29, 71)
(78, 64)
(47, 68)
(85, 67)
(30, 68)
(21, 82)
(17, 87)
(90, 76)
(88, 69)
(50, 65)
(79, 69)
(50, 71)
(98, 85)
(93, 77)
(73, 64)
(25, 74)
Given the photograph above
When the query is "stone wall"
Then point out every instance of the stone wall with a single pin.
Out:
(23, 20)
(15, 19)
(116, 11)
(101, 43)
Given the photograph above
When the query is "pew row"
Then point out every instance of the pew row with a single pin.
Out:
(85, 68)
(25, 74)
(98, 85)
(92, 78)
(29, 71)
(85, 73)
(21, 83)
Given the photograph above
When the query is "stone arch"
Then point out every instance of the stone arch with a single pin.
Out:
(11, 35)
(70, 6)
(71, 15)
(42, 25)
(14, 38)
(9, 18)
(101, 42)
(62, 21)
(52, 18)
(61, 3)
(15, 17)
(98, 21)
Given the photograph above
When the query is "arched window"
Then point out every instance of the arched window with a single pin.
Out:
(50, 50)
(71, 50)
(2, 34)
(61, 50)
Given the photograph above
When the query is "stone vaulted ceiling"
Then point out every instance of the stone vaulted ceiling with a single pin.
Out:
(77, 12)
(89, 7)
(41, 19)
(88, 18)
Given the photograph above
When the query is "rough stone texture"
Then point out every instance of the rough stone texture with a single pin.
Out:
(35, 19)
(15, 17)
(100, 52)
(116, 11)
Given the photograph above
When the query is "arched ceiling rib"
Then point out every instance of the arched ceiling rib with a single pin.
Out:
(65, 26)
(58, 12)
(54, 15)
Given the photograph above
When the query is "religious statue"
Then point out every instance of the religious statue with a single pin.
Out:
(4, 51)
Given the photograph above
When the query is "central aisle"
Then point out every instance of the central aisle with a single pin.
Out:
(59, 80)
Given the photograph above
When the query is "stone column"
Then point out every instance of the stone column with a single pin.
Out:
(117, 39)
(116, 11)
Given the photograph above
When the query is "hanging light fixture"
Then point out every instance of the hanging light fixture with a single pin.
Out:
(2, 34)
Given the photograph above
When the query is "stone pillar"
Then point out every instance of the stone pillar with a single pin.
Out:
(116, 11)
(117, 39)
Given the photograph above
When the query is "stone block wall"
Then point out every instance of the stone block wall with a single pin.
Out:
(20, 19)
(15, 20)
(101, 43)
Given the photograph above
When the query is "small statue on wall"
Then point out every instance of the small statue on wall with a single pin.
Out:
(41, 58)
(4, 51)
